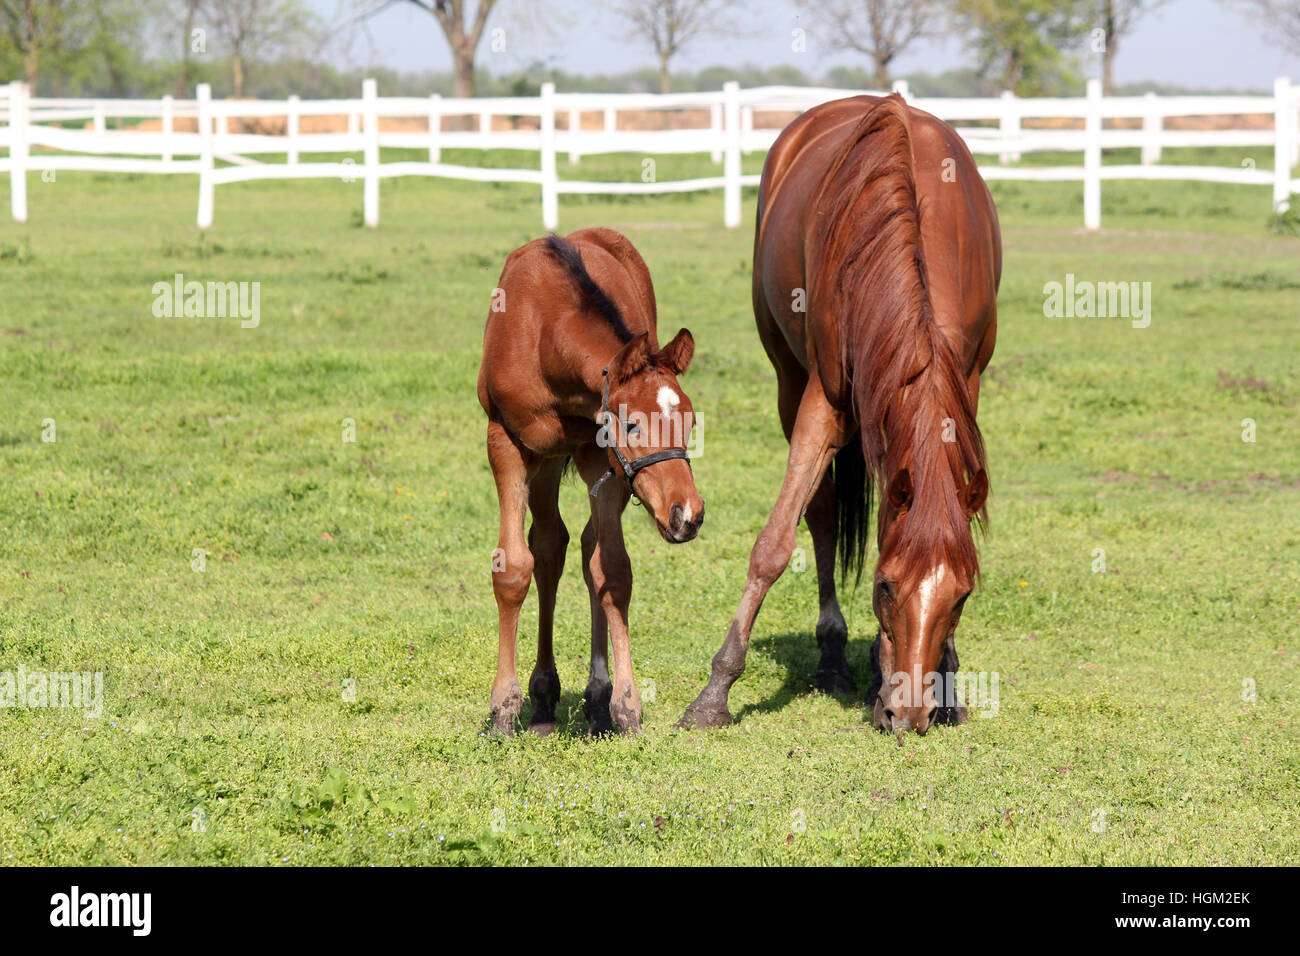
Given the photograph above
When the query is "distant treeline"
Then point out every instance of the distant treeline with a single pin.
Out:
(313, 80)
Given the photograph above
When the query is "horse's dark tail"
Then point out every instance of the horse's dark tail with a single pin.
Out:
(852, 508)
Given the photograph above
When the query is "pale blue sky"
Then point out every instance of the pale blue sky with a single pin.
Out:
(1195, 43)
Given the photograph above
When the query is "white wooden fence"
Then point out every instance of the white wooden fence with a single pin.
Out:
(218, 152)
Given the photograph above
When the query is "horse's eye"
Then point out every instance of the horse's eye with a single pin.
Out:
(632, 428)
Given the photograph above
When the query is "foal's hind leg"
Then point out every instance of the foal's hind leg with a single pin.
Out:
(512, 569)
(547, 539)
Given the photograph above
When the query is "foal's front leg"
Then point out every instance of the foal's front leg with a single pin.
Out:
(512, 570)
(610, 579)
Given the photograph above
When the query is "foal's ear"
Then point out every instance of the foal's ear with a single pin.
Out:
(899, 492)
(677, 354)
(977, 492)
(631, 358)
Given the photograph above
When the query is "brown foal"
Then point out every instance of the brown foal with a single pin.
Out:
(572, 372)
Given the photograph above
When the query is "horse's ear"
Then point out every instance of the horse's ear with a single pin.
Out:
(899, 492)
(977, 492)
(677, 354)
(631, 358)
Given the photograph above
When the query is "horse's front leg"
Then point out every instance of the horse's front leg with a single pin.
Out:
(609, 576)
(818, 431)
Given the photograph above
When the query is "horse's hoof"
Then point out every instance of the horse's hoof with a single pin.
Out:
(704, 718)
(835, 682)
(503, 724)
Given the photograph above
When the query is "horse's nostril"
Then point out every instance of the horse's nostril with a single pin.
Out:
(676, 518)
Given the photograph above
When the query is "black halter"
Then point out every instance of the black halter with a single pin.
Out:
(630, 468)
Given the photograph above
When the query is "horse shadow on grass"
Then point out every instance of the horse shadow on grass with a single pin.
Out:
(799, 654)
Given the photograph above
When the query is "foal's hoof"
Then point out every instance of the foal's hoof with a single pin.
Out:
(835, 681)
(542, 728)
(595, 705)
(704, 718)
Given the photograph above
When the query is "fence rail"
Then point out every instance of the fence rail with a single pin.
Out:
(195, 136)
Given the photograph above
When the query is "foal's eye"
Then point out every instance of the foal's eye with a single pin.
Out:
(632, 428)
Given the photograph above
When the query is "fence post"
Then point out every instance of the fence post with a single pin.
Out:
(550, 181)
(100, 124)
(731, 163)
(1283, 142)
(291, 131)
(369, 94)
(715, 127)
(1152, 126)
(1009, 126)
(1295, 126)
(18, 150)
(1092, 157)
(575, 126)
(435, 127)
(168, 123)
(611, 120)
(485, 128)
(206, 185)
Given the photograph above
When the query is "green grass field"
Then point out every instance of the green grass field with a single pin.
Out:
(1126, 731)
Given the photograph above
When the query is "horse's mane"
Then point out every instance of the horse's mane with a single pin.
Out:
(593, 296)
(908, 381)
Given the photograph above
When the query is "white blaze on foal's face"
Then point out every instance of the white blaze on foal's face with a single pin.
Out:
(668, 400)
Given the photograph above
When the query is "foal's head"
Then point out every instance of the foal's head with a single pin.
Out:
(926, 571)
(651, 414)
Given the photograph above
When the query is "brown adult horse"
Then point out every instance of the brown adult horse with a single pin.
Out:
(572, 371)
(876, 266)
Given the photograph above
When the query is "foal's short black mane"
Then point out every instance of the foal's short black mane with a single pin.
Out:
(593, 296)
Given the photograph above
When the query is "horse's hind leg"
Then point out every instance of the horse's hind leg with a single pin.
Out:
(833, 675)
(547, 539)
(819, 430)
(512, 569)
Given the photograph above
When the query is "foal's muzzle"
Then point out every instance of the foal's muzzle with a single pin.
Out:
(680, 528)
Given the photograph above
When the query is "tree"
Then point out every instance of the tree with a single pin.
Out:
(33, 28)
(462, 29)
(670, 25)
(1116, 19)
(256, 29)
(1279, 20)
(1019, 43)
(879, 29)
